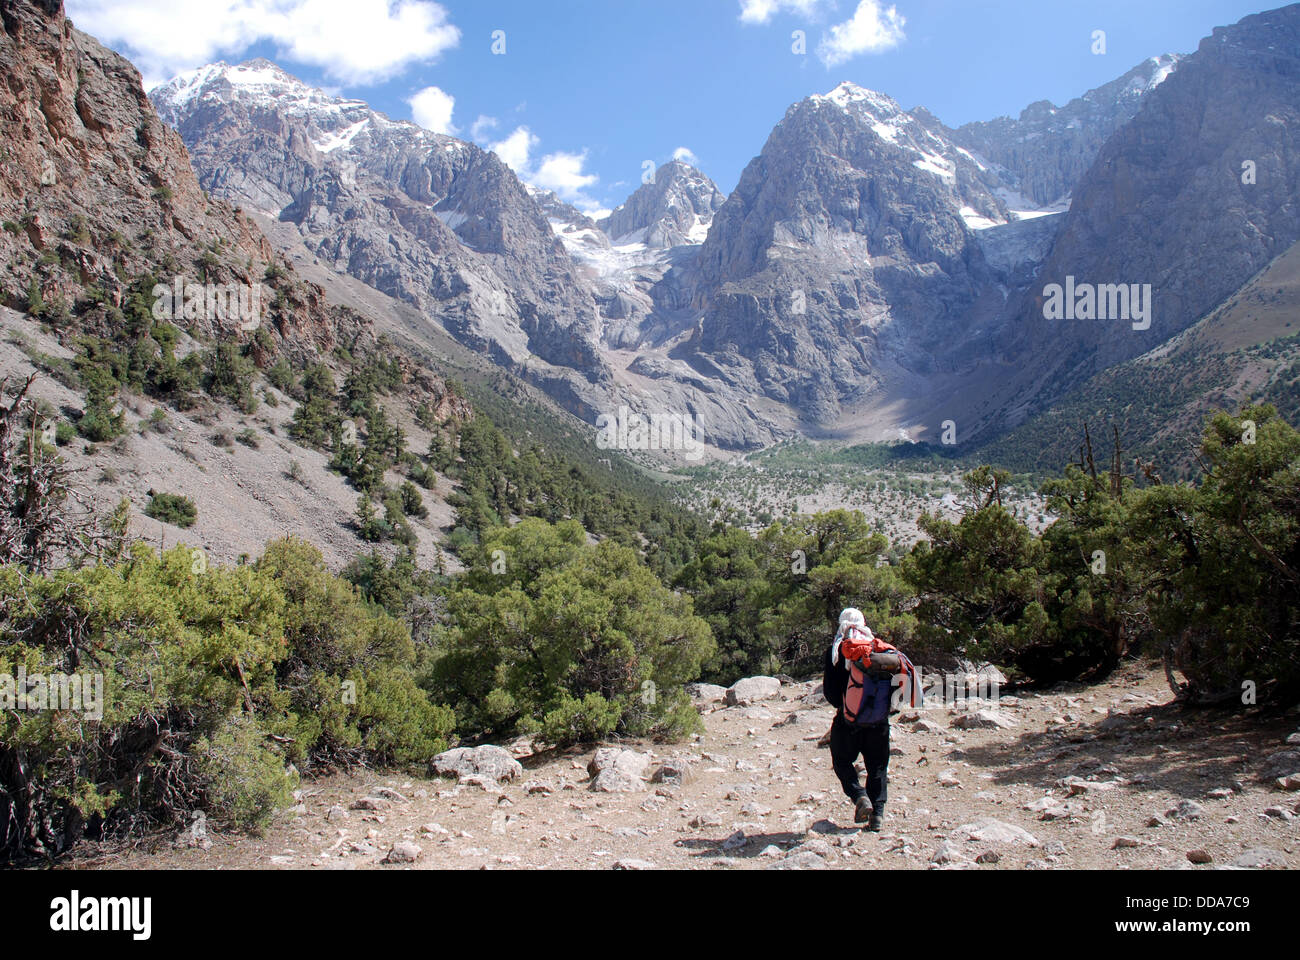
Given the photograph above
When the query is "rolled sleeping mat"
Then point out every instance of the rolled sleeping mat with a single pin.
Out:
(888, 662)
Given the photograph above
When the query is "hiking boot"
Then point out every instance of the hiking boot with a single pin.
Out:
(864, 811)
(877, 821)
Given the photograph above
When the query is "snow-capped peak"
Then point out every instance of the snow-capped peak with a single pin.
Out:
(1164, 66)
(334, 123)
(849, 95)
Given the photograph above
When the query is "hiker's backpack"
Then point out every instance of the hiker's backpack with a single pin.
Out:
(870, 692)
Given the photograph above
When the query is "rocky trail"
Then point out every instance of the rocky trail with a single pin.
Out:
(1113, 776)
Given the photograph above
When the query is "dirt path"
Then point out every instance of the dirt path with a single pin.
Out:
(1082, 777)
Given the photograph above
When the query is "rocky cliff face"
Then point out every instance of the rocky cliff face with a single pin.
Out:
(1048, 149)
(675, 208)
(92, 185)
(875, 271)
(96, 192)
(846, 248)
(426, 218)
(1193, 197)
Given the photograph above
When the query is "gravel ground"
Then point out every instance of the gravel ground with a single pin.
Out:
(1112, 776)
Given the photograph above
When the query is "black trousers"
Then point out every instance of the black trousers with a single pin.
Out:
(872, 744)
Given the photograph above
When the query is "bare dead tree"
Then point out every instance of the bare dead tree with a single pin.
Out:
(46, 518)
(1116, 468)
(1091, 464)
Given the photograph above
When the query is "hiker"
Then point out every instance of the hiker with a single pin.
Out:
(859, 680)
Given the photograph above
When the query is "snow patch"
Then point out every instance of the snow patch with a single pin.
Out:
(340, 139)
(933, 163)
(976, 221)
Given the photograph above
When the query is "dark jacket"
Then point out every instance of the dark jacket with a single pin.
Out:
(835, 680)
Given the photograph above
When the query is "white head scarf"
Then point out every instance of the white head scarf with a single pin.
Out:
(851, 617)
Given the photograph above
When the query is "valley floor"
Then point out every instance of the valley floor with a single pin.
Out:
(1113, 776)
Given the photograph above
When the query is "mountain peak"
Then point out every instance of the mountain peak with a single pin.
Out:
(673, 209)
(251, 81)
(850, 95)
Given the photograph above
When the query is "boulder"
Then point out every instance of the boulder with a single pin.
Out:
(487, 762)
(804, 860)
(814, 697)
(1259, 858)
(983, 720)
(1077, 785)
(614, 780)
(989, 831)
(948, 852)
(1283, 763)
(630, 762)
(735, 841)
(985, 671)
(1186, 810)
(403, 852)
(674, 772)
(752, 689)
(1041, 804)
(705, 692)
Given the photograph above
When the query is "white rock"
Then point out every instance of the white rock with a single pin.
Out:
(947, 852)
(752, 689)
(486, 762)
(1186, 810)
(1041, 804)
(984, 720)
(705, 692)
(614, 780)
(631, 762)
(989, 831)
(403, 852)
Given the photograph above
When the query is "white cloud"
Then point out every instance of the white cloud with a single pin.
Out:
(481, 127)
(871, 29)
(686, 155)
(563, 173)
(515, 150)
(761, 11)
(353, 41)
(432, 108)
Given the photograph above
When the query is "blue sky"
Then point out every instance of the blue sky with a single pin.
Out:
(586, 91)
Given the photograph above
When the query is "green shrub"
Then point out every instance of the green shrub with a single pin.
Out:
(214, 681)
(172, 508)
(1222, 559)
(560, 638)
(244, 782)
(229, 375)
(100, 422)
(281, 377)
